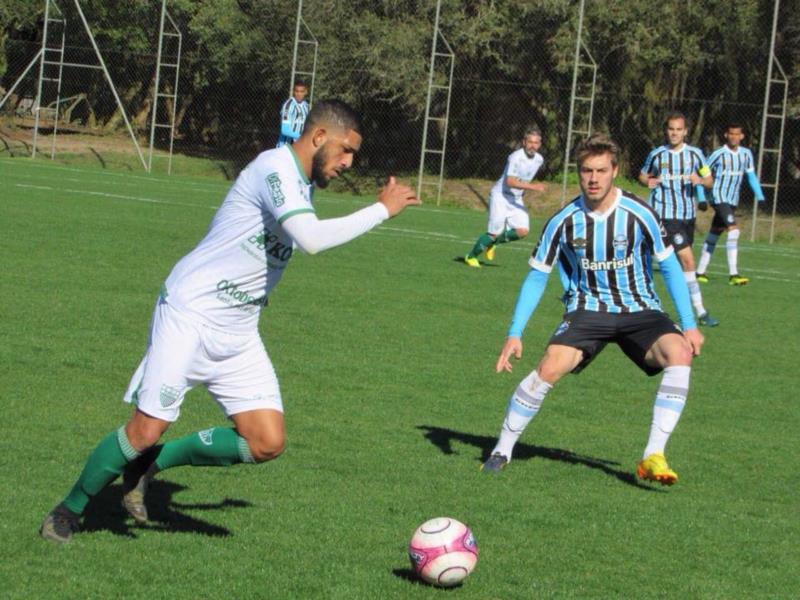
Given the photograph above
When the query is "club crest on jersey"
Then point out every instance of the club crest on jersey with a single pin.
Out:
(274, 183)
(579, 244)
(561, 328)
(620, 242)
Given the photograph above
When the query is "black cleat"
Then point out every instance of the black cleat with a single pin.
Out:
(59, 525)
(494, 464)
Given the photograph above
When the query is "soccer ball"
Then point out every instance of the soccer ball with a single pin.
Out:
(443, 551)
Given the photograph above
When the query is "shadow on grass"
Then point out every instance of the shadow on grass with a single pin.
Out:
(460, 259)
(410, 576)
(442, 439)
(105, 512)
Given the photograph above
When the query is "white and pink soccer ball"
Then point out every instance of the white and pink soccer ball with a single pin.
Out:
(443, 551)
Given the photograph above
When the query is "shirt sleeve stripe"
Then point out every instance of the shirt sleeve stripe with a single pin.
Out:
(292, 213)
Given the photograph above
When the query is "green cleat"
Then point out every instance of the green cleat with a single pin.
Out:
(707, 320)
(494, 464)
(59, 525)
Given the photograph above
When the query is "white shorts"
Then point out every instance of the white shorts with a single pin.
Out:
(182, 353)
(505, 215)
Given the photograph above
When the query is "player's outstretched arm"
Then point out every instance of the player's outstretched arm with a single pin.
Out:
(396, 197)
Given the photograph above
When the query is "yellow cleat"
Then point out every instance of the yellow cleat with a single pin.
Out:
(472, 262)
(738, 280)
(655, 468)
(490, 252)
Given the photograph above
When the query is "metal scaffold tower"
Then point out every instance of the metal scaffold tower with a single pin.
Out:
(169, 98)
(771, 144)
(303, 37)
(581, 107)
(440, 121)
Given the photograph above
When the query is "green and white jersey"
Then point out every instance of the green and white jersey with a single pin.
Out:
(524, 168)
(226, 280)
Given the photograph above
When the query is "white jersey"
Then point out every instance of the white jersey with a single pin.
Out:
(226, 280)
(522, 167)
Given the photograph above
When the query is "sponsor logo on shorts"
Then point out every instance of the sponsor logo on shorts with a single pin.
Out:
(677, 238)
(274, 183)
(729, 218)
(169, 395)
(561, 328)
(206, 436)
(606, 265)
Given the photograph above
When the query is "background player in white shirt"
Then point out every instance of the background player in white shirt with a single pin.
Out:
(204, 329)
(508, 216)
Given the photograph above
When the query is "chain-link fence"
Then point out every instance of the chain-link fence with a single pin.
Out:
(513, 69)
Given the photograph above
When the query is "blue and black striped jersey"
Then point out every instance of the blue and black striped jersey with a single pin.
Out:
(293, 119)
(605, 260)
(673, 198)
(729, 169)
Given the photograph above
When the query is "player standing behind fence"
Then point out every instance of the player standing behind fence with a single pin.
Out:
(508, 217)
(729, 166)
(293, 115)
(674, 173)
(205, 324)
(604, 242)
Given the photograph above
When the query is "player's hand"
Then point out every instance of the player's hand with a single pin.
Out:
(695, 339)
(702, 206)
(513, 346)
(695, 179)
(539, 187)
(653, 182)
(397, 196)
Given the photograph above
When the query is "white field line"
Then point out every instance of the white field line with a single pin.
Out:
(384, 230)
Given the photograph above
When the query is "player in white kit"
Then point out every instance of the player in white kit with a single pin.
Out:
(205, 325)
(508, 217)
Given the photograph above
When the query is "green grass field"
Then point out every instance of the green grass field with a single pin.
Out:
(385, 350)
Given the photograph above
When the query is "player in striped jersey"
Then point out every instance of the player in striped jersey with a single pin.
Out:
(729, 164)
(293, 115)
(604, 242)
(675, 173)
(508, 216)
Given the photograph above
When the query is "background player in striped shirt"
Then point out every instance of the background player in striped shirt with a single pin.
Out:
(603, 243)
(508, 216)
(293, 115)
(675, 173)
(729, 164)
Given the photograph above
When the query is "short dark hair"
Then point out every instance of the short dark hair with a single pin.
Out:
(675, 114)
(333, 112)
(595, 145)
(532, 131)
(734, 125)
(300, 82)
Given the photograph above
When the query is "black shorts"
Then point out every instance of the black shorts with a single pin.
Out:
(680, 233)
(634, 333)
(723, 216)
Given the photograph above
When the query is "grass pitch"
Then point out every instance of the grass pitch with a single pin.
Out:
(385, 351)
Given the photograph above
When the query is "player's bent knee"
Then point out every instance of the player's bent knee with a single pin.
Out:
(522, 233)
(144, 431)
(264, 450)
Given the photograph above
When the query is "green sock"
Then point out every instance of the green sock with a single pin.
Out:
(509, 235)
(483, 242)
(211, 447)
(103, 466)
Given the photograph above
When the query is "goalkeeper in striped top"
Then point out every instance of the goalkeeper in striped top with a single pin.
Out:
(293, 115)
(676, 173)
(730, 165)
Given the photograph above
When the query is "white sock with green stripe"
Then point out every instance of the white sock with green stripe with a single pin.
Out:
(670, 400)
(523, 406)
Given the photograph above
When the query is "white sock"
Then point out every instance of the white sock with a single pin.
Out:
(694, 292)
(670, 400)
(705, 254)
(523, 406)
(732, 247)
